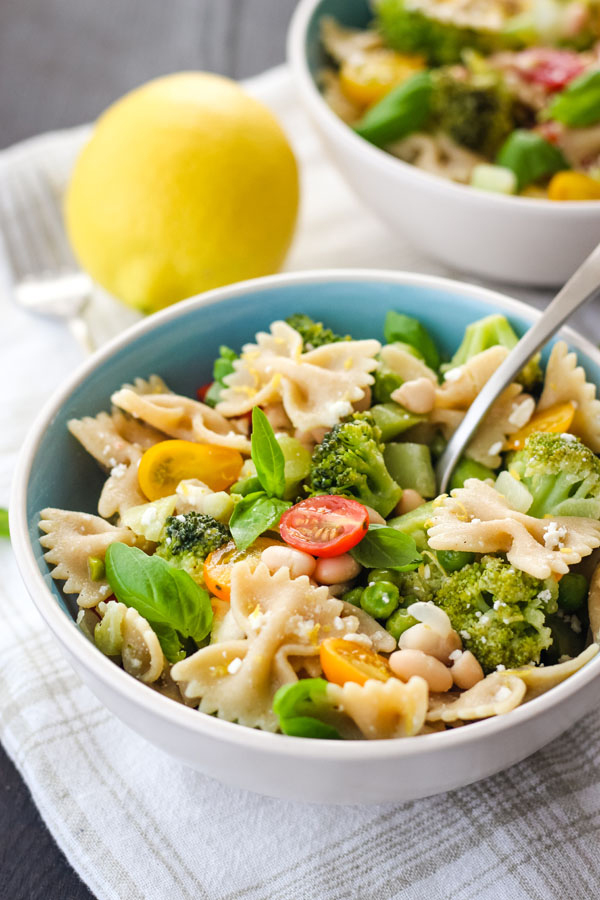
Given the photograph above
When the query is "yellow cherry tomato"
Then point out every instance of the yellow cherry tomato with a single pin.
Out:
(556, 419)
(167, 463)
(219, 564)
(573, 186)
(344, 661)
(366, 80)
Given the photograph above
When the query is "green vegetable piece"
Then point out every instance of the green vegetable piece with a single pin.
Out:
(386, 382)
(453, 560)
(572, 591)
(299, 707)
(222, 367)
(250, 485)
(267, 455)
(496, 179)
(175, 606)
(410, 467)
(314, 334)
(380, 599)
(404, 110)
(253, 515)
(353, 596)
(392, 419)
(4, 530)
(96, 568)
(578, 106)
(468, 468)
(398, 327)
(530, 157)
(565, 641)
(108, 634)
(384, 547)
(349, 461)
(297, 464)
(383, 575)
(415, 524)
(399, 622)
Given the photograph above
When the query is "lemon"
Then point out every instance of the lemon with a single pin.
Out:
(186, 183)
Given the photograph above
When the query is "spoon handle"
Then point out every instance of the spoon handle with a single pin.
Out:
(583, 285)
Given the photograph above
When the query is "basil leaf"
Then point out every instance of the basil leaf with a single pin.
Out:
(254, 514)
(384, 547)
(578, 106)
(174, 605)
(298, 707)
(398, 327)
(530, 157)
(4, 532)
(404, 110)
(267, 455)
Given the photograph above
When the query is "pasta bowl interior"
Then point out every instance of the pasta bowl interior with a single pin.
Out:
(56, 473)
(497, 236)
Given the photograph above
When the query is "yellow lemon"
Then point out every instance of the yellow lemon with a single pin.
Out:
(187, 183)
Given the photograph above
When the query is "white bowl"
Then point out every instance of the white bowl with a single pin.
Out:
(509, 239)
(53, 470)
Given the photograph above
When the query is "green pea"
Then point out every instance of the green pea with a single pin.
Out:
(453, 560)
(572, 591)
(399, 622)
(96, 568)
(354, 596)
(383, 575)
(380, 599)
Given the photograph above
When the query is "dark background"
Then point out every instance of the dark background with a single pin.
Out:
(61, 63)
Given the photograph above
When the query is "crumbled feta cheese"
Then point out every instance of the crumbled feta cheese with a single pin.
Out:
(427, 572)
(567, 436)
(503, 693)
(119, 471)
(234, 666)
(363, 639)
(338, 622)
(256, 618)
(554, 536)
(495, 448)
(521, 413)
(575, 624)
(484, 620)
(149, 516)
(545, 596)
(500, 668)
(465, 635)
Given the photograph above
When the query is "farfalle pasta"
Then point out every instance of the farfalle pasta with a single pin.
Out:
(272, 552)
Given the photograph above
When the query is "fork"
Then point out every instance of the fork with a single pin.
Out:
(46, 277)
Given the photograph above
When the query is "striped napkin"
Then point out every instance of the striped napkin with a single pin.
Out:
(138, 826)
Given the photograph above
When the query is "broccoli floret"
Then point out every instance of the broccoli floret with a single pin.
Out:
(411, 30)
(186, 541)
(474, 109)
(314, 334)
(421, 584)
(489, 332)
(499, 611)
(561, 474)
(349, 461)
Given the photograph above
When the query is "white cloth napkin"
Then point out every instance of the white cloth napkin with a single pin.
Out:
(135, 824)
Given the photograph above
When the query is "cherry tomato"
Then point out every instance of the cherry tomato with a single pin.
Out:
(219, 564)
(553, 69)
(203, 391)
(345, 660)
(324, 526)
(167, 463)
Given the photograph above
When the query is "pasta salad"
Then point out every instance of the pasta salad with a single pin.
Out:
(502, 95)
(274, 552)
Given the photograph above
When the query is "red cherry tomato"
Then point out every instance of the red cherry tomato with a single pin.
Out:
(553, 69)
(324, 526)
(203, 390)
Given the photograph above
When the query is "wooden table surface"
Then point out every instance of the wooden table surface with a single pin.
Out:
(61, 63)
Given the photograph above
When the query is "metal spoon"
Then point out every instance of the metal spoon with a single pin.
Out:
(581, 287)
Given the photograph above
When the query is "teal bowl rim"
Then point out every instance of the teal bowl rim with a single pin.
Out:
(116, 679)
(297, 41)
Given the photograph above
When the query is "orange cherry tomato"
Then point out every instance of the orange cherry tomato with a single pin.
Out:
(344, 661)
(556, 419)
(167, 463)
(573, 186)
(365, 80)
(219, 564)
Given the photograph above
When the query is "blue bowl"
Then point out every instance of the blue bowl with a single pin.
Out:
(180, 344)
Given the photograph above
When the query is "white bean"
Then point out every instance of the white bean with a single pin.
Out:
(423, 637)
(406, 663)
(374, 517)
(409, 500)
(466, 671)
(336, 569)
(279, 557)
(417, 396)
